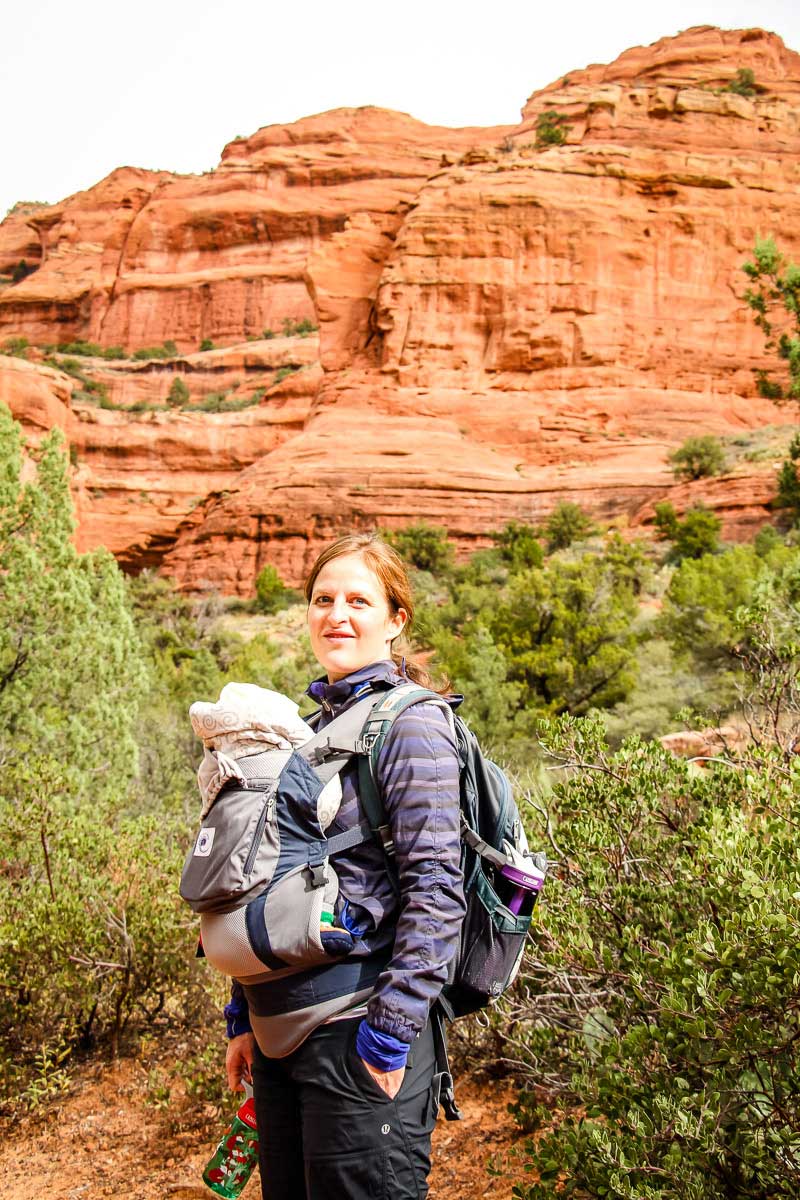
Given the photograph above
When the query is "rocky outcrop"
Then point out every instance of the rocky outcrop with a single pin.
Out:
(138, 472)
(147, 256)
(503, 323)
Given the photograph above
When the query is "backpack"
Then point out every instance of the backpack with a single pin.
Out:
(502, 879)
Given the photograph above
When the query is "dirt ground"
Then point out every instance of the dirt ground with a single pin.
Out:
(105, 1139)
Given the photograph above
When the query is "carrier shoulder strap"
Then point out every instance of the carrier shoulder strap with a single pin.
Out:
(329, 750)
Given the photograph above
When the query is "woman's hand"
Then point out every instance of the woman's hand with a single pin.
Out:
(239, 1061)
(387, 1081)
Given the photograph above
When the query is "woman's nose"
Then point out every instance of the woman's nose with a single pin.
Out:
(338, 610)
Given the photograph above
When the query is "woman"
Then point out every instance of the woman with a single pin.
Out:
(349, 1113)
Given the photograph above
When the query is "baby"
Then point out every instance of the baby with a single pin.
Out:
(246, 721)
(250, 720)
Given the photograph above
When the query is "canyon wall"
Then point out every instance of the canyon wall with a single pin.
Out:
(462, 326)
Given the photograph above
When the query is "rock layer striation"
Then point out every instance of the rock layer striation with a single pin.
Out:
(502, 323)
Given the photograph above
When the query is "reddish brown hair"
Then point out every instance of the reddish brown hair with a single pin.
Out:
(392, 573)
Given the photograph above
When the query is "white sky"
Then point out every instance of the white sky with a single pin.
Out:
(89, 86)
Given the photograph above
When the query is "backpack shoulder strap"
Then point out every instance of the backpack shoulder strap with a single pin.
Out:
(373, 735)
(393, 703)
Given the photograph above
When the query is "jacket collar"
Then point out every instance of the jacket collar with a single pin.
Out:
(374, 677)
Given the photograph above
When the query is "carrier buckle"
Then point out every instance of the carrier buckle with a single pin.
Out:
(317, 875)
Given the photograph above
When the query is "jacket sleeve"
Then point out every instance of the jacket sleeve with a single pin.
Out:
(237, 1013)
(418, 777)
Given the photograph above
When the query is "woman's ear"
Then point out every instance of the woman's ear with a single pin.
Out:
(397, 622)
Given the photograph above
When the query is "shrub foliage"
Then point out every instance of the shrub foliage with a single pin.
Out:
(698, 458)
(660, 1007)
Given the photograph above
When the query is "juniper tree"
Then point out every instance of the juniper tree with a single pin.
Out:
(70, 669)
(775, 300)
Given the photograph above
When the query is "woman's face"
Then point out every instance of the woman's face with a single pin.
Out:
(349, 619)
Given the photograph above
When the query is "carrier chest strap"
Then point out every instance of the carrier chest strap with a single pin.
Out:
(351, 837)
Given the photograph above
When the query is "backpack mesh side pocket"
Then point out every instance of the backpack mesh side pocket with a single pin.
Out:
(492, 941)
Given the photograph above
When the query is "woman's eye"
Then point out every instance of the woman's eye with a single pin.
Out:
(359, 601)
(322, 599)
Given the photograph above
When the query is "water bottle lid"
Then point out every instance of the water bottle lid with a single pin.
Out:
(247, 1113)
(531, 879)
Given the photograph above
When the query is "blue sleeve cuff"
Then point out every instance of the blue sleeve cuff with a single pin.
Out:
(237, 1014)
(380, 1050)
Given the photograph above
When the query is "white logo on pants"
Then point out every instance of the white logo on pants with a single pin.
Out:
(385, 1128)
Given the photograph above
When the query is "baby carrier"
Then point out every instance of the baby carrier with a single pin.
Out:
(259, 873)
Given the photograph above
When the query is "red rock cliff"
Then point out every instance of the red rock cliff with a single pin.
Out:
(500, 326)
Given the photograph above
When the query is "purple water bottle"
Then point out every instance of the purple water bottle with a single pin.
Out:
(524, 882)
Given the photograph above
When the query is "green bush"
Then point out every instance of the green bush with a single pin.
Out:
(91, 350)
(551, 129)
(774, 298)
(697, 534)
(768, 388)
(629, 563)
(272, 593)
(659, 1011)
(16, 347)
(178, 394)
(91, 935)
(293, 328)
(217, 402)
(788, 493)
(743, 83)
(69, 658)
(283, 373)
(167, 350)
(519, 545)
(22, 270)
(422, 545)
(698, 615)
(566, 524)
(567, 635)
(263, 662)
(698, 458)
(206, 344)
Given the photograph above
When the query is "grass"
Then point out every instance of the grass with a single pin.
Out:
(768, 444)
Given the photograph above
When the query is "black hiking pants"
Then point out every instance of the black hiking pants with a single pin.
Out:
(328, 1132)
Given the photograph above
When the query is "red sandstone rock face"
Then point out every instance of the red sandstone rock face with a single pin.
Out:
(500, 327)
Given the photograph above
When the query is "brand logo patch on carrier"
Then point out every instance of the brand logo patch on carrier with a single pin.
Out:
(205, 840)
